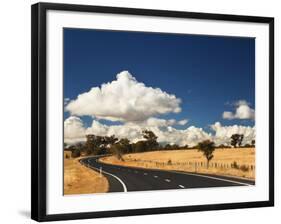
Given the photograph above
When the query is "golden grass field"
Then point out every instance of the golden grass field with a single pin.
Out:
(82, 180)
(193, 161)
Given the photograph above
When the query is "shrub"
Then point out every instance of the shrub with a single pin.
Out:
(75, 153)
(67, 156)
(244, 168)
(234, 165)
(169, 162)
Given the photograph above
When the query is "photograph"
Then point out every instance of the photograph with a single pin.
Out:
(147, 111)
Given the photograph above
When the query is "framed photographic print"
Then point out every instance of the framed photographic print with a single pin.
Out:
(138, 111)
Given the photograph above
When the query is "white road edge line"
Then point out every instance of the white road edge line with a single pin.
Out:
(155, 176)
(215, 178)
(123, 184)
(167, 180)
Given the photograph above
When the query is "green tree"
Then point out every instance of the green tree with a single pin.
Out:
(253, 142)
(94, 144)
(139, 146)
(236, 140)
(208, 148)
(121, 147)
(75, 153)
(151, 140)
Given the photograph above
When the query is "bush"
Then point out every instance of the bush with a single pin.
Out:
(75, 153)
(67, 156)
(169, 162)
(244, 168)
(234, 165)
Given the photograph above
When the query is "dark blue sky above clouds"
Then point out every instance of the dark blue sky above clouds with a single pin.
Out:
(208, 73)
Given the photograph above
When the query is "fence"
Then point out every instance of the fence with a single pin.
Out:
(195, 165)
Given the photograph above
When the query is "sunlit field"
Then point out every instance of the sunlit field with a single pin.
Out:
(239, 162)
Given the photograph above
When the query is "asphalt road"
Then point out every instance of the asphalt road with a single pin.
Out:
(125, 179)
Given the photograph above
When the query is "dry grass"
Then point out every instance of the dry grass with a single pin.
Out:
(193, 161)
(82, 180)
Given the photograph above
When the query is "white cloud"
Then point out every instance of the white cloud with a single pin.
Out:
(224, 133)
(183, 122)
(190, 136)
(156, 122)
(133, 132)
(242, 111)
(65, 101)
(74, 130)
(124, 99)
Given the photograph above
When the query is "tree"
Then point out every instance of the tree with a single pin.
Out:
(168, 146)
(125, 145)
(253, 142)
(139, 146)
(151, 140)
(94, 144)
(236, 139)
(175, 146)
(240, 140)
(207, 147)
(75, 153)
(111, 140)
(121, 147)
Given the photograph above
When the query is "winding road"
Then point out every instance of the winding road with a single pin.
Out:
(123, 179)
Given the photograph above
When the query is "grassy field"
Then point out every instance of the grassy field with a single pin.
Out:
(238, 162)
(81, 180)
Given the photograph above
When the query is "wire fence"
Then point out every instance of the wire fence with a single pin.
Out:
(197, 164)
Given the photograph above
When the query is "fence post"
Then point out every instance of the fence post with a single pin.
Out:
(100, 171)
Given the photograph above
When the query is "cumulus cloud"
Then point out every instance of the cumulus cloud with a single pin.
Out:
(224, 133)
(156, 122)
(124, 99)
(75, 132)
(183, 122)
(131, 131)
(139, 107)
(242, 111)
(190, 136)
(165, 134)
(65, 101)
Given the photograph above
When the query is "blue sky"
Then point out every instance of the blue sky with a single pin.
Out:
(208, 73)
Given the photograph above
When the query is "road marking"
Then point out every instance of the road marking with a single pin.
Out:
(155, 176)
(209, 177)
(122, 183)
(167, 180)
(215, 178)
(145, 174)
(181, 186)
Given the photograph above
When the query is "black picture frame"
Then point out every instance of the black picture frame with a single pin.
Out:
(38, 108)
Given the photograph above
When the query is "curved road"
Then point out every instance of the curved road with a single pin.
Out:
(125, 179)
